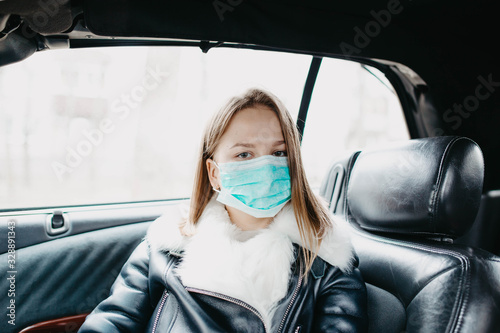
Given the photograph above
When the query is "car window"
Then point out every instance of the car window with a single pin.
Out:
(353, 106)
(121, 124)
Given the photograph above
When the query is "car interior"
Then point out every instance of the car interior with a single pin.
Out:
(423, 206)
(404, 230)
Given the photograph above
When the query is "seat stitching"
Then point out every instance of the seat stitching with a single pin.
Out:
(464, 282)
(464, 299)
(434, 203)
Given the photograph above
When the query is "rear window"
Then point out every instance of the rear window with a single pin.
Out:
(353, 107)
(91, 126)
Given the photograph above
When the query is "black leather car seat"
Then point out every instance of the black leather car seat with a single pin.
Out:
(406, 203)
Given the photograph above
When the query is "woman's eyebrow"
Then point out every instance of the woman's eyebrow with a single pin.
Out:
(243, 144)
(279, 143)
(251, 145)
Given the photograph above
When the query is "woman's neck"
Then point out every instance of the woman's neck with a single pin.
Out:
(247, 222)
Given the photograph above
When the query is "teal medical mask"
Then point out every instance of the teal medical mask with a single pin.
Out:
(259, 187)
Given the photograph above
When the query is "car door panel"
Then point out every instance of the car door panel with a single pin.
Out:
(66, 275)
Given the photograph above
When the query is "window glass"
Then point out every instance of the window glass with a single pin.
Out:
(121, 124)
(352, 107)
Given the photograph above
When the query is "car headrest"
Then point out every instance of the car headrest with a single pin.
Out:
(427, 187)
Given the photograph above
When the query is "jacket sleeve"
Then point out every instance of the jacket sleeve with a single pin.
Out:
(341, 305)
(128, 308)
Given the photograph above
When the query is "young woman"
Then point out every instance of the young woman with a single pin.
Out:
(258, 251)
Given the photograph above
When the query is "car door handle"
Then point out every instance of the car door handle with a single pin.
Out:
(57, 223)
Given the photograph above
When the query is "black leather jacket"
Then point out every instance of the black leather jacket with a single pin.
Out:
(148, 297)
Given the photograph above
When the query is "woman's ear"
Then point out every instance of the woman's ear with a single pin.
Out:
(213, 174)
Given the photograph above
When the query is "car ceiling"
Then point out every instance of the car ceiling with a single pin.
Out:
(450, 44)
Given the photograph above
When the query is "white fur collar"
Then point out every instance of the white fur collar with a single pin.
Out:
(255, 270)
(336, 248)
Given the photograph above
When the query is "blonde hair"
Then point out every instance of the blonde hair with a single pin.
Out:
(312, 217)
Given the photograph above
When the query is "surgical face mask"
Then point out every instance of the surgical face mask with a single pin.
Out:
(259, 187)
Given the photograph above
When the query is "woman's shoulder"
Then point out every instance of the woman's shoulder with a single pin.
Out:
(165, 233)
(336, 248)
(171, 232)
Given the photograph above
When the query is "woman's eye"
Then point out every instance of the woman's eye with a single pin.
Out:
(280, 153)
(243, 155)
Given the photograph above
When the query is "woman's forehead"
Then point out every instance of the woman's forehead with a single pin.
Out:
(254, 123)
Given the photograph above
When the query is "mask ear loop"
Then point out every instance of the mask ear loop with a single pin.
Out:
(216, 190)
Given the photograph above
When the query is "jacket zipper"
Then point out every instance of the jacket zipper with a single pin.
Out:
(162, 303)
(165, 292)
(294, 296)
(232, 300)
